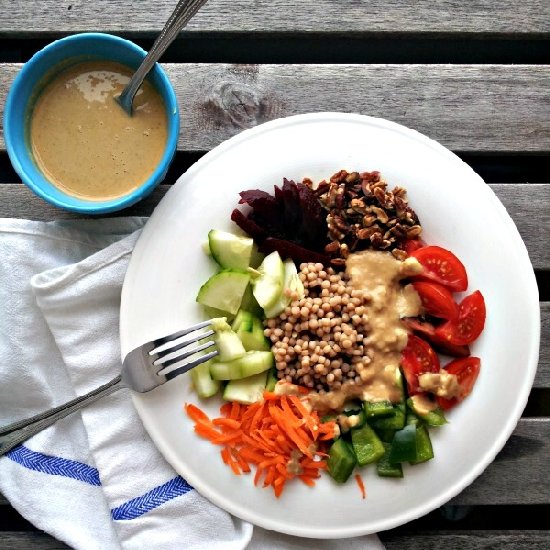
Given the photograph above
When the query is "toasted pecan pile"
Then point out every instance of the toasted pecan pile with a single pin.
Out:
(363, 214)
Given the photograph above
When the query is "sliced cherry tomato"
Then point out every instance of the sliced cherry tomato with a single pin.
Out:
(426, 330)
(466, 371)
(410, 245)
(469, 324)
(437, 300)
(417, 358)
(441, 266)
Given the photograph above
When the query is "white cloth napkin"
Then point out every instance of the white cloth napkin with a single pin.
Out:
(95, 479)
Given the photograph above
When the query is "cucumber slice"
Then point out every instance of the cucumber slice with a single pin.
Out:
(246, 390)
(243, 321)
(224, 290)
(268, 286)
(254, 340)
(291, 283)
(252, 362)
(271, 380)
(230, 251)
(229, 345)
(256, 258)
(212, 313)
(204, 385)
(249, 303)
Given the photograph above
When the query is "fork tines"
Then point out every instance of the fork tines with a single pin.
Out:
(170, 350)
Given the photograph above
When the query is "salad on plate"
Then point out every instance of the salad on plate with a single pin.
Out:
(343, 337)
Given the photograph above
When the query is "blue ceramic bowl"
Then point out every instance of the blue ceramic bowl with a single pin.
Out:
(37, 72)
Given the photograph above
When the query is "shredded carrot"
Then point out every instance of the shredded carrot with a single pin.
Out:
(195, 413)
(361, 485)
(278, 436)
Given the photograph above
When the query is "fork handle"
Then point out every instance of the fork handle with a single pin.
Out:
(182, 14)
(14, 434)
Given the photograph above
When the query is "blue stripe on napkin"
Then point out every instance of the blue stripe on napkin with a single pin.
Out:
(138, 506)
(54, 465)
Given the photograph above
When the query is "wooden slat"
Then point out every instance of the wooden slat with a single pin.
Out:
(23, 540)
(465, 540)
(375, 17)
(529, 207)
(468, 108)
(542, 379)
(393, 540)
(519, 473)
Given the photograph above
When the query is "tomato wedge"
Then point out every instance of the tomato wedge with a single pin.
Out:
(426, 331)
(466, 371)
(417, 358)
(469, 324)
(441, 266)
(437, 300)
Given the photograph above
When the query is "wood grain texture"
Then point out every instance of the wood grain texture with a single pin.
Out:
(24, 540)
(468, 108)
(519, 473)
(465, 540)
(369, 17)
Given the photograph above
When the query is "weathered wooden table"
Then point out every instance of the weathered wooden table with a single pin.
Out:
(472, 75)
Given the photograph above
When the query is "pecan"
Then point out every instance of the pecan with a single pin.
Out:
(332, 194)
(340, 198)
(363, 213)
(368, 220)
(380, 195)
(339, 176)
(338, 262)
(414, 232)
(367, 232)
(399, 254)
(350, 178)
(358, 205)
(381, 215)
(332, 247)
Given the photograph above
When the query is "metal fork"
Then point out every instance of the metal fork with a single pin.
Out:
(143, 369)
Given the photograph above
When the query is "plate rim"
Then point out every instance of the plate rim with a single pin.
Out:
(531, 294)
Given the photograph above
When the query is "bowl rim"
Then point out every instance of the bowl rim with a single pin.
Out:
(92, 207)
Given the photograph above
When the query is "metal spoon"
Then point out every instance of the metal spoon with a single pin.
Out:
(184, 11)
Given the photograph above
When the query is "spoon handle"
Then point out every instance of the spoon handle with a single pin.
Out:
(183, 12)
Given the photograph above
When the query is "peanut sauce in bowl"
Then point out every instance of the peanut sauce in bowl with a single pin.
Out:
(68, 139)
(82, 140)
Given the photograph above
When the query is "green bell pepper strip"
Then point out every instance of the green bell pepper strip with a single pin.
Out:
(403, 447)
(385, 468)
(424, 450)
(433, 418)
(377, 409)
(341, 461)
(366, 445)
(394, 422)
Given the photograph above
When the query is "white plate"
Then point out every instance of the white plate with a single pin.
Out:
(457, 210)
